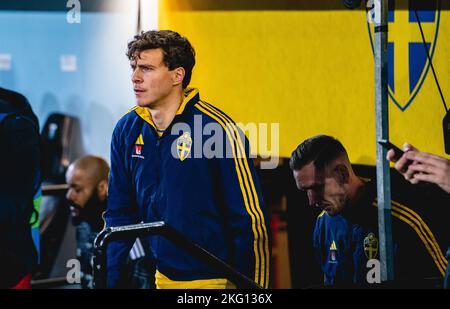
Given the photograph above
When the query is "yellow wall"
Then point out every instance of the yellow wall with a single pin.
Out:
(310, 70)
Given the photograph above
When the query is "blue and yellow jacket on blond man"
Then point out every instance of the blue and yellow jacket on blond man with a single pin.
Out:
(216, 202)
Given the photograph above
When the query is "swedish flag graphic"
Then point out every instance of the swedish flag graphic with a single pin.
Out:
(407, 57)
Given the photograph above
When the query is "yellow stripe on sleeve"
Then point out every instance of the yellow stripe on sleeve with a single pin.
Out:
(251, 201)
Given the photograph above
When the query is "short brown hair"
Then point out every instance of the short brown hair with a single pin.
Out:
(177, 51)
(320, 149)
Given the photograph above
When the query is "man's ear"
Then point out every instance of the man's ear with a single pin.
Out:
(342, 173)
(102, 189)
(178, 76)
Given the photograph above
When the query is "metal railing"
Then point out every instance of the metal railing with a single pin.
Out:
(162, 229)
(58, 189)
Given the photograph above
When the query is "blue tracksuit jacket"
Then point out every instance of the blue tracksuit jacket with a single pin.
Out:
(345, 242)
(216, 202)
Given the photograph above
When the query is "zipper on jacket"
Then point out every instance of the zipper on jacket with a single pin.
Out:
(158, 160)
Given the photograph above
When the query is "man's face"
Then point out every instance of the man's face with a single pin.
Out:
(81, 189)
(324, 191)
(152, 80)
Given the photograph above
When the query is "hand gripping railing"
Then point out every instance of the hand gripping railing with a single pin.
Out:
(162, 229)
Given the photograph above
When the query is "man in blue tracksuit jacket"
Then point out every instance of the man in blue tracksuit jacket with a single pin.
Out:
(165, 167)
(345, 237)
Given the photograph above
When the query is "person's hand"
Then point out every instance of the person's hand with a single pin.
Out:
(402, 164)
(428, 167)
(418, 167)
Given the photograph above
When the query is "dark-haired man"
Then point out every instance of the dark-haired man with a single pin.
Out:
(322, 169)
(157, 174)
(346, 232)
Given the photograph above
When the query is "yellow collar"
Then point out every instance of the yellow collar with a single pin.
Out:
(144, 112)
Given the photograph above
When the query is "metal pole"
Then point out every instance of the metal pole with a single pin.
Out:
(382, 133)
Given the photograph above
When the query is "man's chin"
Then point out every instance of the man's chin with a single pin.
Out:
(330, 211)
(142, 103)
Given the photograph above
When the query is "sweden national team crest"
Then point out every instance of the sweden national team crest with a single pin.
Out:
(408, 63)
(371, 246)
(184, 145)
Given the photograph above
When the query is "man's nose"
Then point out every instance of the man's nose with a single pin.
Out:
(136, 77)
(313, 198)
(69, 195)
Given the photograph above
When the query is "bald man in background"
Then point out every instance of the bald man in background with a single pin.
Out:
(87, 178)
